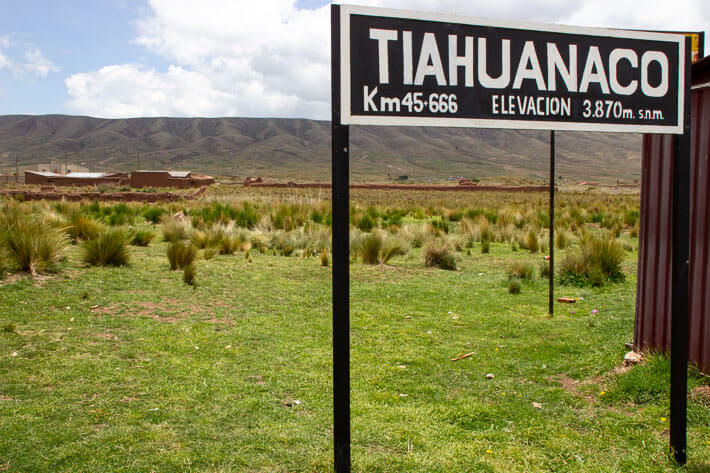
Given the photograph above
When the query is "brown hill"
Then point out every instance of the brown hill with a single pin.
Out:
(299, 149)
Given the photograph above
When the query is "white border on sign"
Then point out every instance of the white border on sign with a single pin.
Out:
(346, 118)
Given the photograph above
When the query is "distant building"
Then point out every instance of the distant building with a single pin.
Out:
(179, 179)
(76, 178)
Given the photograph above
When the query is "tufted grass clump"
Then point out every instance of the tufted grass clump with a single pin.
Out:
(189, 275)
(514, 285)
(598, 261)
(520, 270)
(181, 254)
(416, 234)
(174, 231)
(110, 248)
(531, 241)
(378, 247)
(32, 245)
(83, 228)
(142, 237)
(439, 253)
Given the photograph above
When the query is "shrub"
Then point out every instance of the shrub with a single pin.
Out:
(415, 233)
(324, 257)
(365, 223)
(514, 286)
(485, 246)
(598, 260)
(174, 231)
(391, 247)
(189, 274)
(153, 214)
(531, 241)
(108, 249)
(229, 244)
(83, 228)
(181, 254)
(33, 246)
(209, 253)
(142, 237)
(438, 253)
(199, 238)
(368, 248)
(545, 270)
(378, 247)
(562, 239)
(520, 270)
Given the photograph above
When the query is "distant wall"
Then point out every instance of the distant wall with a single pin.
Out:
(164, 179)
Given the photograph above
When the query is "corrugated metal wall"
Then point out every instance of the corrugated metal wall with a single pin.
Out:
(653, 305)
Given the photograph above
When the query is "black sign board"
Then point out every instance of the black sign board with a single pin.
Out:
(393, 67)
(423, 69)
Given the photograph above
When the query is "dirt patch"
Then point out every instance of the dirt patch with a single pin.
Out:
(216, 320)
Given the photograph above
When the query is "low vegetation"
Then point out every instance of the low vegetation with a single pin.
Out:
(110, 248)
(136, 360)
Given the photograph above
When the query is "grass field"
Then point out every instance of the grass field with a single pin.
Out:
(127, 369)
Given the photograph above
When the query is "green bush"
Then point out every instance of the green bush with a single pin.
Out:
(439, 253)
(485, 246)
(391, 247)
(366, 223)
(415, 233)
(531, 241)
(562, 239)
(181, 254)
(598, 261)
(82, 228)
(521, 270)
(174, 231)
(108, 249)
(378, 247)
(230, 243)
(153, 214)
(189, 274)
(514, 285)
(142, 237)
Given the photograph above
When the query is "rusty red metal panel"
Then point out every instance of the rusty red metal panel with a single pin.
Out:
(653, 305)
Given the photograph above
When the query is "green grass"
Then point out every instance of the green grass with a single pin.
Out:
(128, 369)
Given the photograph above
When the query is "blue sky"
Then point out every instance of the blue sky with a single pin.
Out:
(75, 36)
(227, 57)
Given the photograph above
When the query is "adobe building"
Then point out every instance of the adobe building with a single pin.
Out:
(178, 179)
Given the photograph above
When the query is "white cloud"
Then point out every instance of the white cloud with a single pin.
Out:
(4, 44)
(270, 58)
(36, 63)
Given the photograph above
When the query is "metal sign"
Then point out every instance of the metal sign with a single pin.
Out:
(425, 69)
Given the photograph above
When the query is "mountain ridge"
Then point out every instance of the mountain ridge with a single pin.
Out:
(299, 149)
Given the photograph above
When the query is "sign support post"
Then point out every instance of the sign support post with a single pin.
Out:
(551, 296)
(341, 263)
(680, 288)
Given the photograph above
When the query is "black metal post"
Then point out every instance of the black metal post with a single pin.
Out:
(680, 288)
(551, 291)
(341, 262)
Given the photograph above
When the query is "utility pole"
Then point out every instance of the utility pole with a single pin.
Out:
(17, 170)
